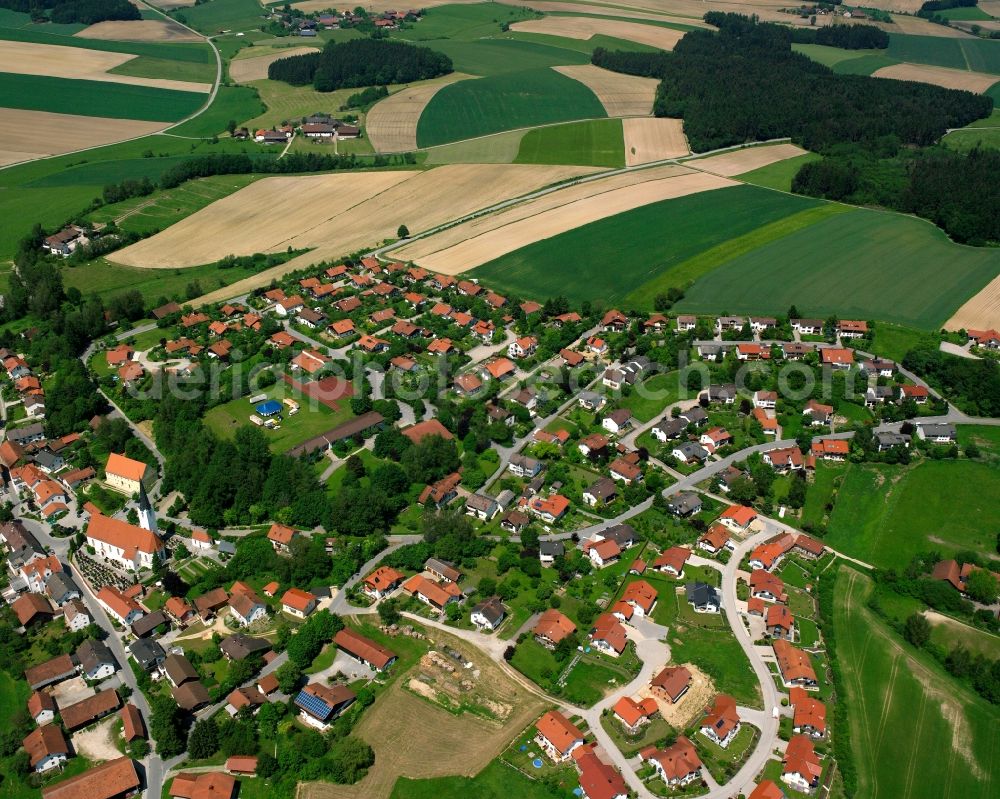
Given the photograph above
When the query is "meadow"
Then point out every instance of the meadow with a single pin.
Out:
(595, 142)
(236, 103)
(97, 99)
(913, 731)
(780, 174)
(884, 515)
(487, 105)
(865, 264)
(574, 263)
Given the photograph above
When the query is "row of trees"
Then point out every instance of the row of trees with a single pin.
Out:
(360, 62)
(846, 37)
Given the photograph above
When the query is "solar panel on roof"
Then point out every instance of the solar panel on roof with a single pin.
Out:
(313, 704)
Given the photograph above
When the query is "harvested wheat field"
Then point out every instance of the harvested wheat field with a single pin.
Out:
(939, 76)
(598, 186)
(335, 214)
(29, 58)
(140, 30)
(244, 70)
(500, 148)
(586, 8)
(746, 160)
(494, 243)
(650, 139)
(586, 27)
(391, 124)
(26, 135)
(982, 312)
(308, 6)
(901, 23)
(621, 95)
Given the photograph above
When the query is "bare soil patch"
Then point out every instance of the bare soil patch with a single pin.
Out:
(586, 27)
(651, 139)
(140, 30)
(939, 76)
(692, 704)
(982, 312)
(746, 160)
(621, 95)
(412, 736)
(446, 239)
(392, 123)
(29, 58)
(500, 241)
(97, 743)
(244, 70)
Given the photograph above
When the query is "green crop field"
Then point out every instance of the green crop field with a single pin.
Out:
(16, 19)
(973, 14)
(979, 55)
(780, 174)
(884, 515)
(500, 148)
(596, 142)
(236, 103)
(151, 67)
(487, 105)
(105, 172)
(498, 56)
(861, 265)
(189, 52)
(582, 45)
(914, 731)
(831, 56)
(496, 781)
(219, 15)
(95, 98)
(574, 263)
(865, 65)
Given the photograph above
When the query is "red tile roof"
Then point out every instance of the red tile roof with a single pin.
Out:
(108, 780)
(558, 731)
(554, 626)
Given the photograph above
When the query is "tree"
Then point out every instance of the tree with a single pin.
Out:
(267, 765)
(453, 611)
(204, 739)
(981, 586)
(388, 612)
(289, 676)
(403, 232)
(917, 630)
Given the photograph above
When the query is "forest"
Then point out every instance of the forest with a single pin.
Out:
(360, 62)
(86, 12)
(846, 37)
(974, 386)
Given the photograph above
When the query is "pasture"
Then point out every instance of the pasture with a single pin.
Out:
(492, 104)
(235, 103)
(95, 98)
(593, 143)
(914, 731)
(884, 515)
(574, 263)
(864, 264)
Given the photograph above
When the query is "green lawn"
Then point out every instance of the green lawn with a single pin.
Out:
(894, 341)
(649, 398)
(886, 514)
(309, 422)
(718, 654)
(574, 263)
(913, 730)
(593, 143)
(496, 781)
(979, 55)
(95, 98)
(236, 103)
(647, 735)
(487, 105)
(780, 174)
(860, 265)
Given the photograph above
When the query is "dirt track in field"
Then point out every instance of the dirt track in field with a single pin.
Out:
(244, 70)
(586, 27)
(78, 63)
(651, 139)
(140, 30)
(981, 312)
(621, 95)
(502, 240)
(26, 135)
(391, 124)
(746, 160)
(939, 76)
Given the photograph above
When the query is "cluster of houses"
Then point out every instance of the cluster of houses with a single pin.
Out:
(26, 384)
(308, 26)
(318, 127)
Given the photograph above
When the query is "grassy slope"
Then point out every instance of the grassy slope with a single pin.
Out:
(914, 732)
(885, 514)
(95, 98)
(575, 263)
(593, 143)
(866, 264)
(504, 102)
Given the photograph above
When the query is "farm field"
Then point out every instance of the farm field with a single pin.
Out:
(596, 142)
(939, 76)
(865, 65)
(500, 148)
(496, 56)
(140, 30)
(653, 139)
(747, 159)
(311, 420)
(505, 240)
(492, 104)
(831, 56)
(231, 102)
(391, 124)
(914, 732)
(886, 514)
(977, 55)
(781, 174)
(621, 95)
(224, 15)
(275, 101)
(586, 27)
(96, 98)
(874, 264)
(981, 311)
(966, 139)
(254, 67)
(634, 241)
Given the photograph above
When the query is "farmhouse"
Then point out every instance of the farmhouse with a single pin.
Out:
(364, 649)
(95, 659)
(112, 780)
(245, 607)
(722, 722)
(557, 736)
(90, 709)
(209, 784)
(51, 671)
(794, 665)
(46, 747)
(671, 684)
